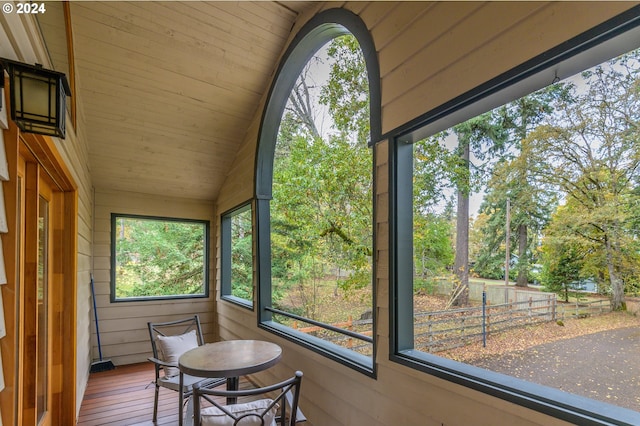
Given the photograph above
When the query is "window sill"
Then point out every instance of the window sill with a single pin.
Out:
(158, 298)
(344, 356)
(244, 303)
(550, 401)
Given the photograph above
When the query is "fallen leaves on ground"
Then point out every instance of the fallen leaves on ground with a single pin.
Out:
(519, 339)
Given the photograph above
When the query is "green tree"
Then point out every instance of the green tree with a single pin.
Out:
(591, 152)
(563, 255)
(242, 255)
(346, 94)
(159, 257)
(433, 232)
(530, 200)
(631, 259)
(439, 169)
(433, 251)
(531, 203)
(494, 262)
(485, 138)
(321, 215)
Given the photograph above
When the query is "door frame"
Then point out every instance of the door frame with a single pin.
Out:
(16, 403)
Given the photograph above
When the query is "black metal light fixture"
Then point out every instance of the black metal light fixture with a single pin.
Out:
(38, 97)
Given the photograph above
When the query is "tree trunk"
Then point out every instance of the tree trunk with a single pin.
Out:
(617, 286)
(461, 264)
(523, 261)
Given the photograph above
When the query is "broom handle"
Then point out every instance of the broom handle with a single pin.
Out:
(95, 314)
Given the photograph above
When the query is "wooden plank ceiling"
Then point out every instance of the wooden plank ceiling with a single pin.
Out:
(167, 90)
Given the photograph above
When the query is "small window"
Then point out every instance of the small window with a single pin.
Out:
(237, 256)
(157, 258)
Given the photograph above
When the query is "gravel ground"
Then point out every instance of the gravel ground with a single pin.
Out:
(604, 366)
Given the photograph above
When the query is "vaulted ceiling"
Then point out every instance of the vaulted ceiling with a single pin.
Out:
(167, 90)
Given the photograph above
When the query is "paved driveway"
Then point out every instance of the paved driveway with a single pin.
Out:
(604, 366)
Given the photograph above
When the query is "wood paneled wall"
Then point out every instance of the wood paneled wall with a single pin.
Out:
(124, 336)
(19, 39)
(429, 53)
(430, 56)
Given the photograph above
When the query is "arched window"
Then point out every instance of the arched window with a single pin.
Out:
(314, 191)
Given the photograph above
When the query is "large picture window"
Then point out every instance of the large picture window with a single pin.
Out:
(154, 257)
(315, 193)
(516, 235)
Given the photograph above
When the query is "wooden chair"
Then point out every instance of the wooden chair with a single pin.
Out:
(169, 340)
(268, 410)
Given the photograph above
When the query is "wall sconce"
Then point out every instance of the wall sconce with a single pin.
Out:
(38, 97)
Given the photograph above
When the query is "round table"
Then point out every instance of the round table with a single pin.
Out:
(229, 358)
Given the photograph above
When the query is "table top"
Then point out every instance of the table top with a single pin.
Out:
(229, 358)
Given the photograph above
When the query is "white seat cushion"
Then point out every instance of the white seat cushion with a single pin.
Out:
(213, 416)
(173, 382)
(174, 346)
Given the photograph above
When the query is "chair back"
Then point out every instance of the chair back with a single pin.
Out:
(271, 405)
(172, 338)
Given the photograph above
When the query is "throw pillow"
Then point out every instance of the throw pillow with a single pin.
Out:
(174, 346)
(213, 416)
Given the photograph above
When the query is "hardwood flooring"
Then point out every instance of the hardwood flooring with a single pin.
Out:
(124, 397)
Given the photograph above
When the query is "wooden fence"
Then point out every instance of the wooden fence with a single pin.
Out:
(362, 327)
(437, 331)
(583, 309)
(442, 330)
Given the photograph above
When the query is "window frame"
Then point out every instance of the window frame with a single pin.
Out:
(206, 254)
(226, 243)
(319, 30)
(615, 36)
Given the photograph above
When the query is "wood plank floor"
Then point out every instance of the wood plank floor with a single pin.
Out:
(124, 397)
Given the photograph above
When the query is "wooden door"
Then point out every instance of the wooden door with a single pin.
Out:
(35, 207)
